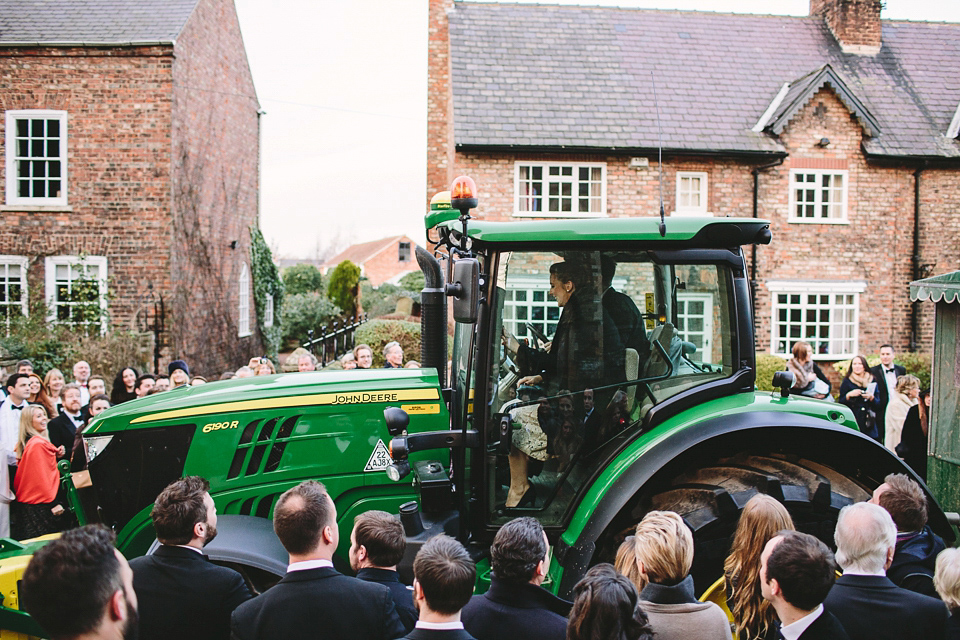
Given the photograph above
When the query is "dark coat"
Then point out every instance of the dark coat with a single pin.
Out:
(883, 395)
(873, 608)
(402, 595)
(319, 603)
(439, 634)
(862, 409)
(953, 627)
(825, 627)
(627, 319)
(913, 444)
(915, 560)
(511, 611)
(183, 595)
(62, 430)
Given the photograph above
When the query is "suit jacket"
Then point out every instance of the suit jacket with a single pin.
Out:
(511, 611)
(825, 627)
(183, 595)
(402, 596)
(62, 430)
(438, 634)
(873, 608)
(883, 394)
(319, 603)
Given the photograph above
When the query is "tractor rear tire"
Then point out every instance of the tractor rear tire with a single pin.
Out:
(711, 497)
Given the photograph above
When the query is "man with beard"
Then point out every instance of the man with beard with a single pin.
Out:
(80, 586)
(182, 594)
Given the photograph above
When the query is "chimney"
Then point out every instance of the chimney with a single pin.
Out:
(854, 23)
(440, 143)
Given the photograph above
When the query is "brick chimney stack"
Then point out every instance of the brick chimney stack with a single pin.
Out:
(440, 142)
(854, 23)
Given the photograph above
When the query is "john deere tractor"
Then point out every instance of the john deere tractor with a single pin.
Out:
(585, 406)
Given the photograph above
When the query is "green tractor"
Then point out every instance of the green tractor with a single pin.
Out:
(582, 411)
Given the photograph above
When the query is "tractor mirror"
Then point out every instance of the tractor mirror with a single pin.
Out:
(465, 290)
(783, 380)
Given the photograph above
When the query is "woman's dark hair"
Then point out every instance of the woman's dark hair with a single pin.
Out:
(605, 607)
(119, 393)
(863, 359)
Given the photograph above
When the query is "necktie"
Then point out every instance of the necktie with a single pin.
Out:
(16, 408)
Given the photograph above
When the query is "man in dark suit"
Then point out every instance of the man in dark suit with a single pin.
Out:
(314, 596)
(377, 544)
(516, 606)
(443, 577)
(864, 600)
(796, 573)
(885, 375)
(80, 586)
(182, 594)
(623, 311)
(63, 428)
(915, 557)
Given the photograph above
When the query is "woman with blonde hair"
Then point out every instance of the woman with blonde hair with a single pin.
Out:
(907, 394)
(762, 518)
(626, 562)
(946, 580)
(53, 384)
(37, 482)
(664, 549)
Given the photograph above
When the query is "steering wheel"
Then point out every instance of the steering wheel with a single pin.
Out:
(542, 339)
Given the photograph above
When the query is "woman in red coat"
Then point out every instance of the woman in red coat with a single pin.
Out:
(36, 511)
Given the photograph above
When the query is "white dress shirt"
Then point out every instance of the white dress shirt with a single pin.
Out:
(306, 565)
(793, 630)
(439, 626)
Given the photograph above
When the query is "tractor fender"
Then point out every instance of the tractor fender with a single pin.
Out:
(245, 540)
(846, 450)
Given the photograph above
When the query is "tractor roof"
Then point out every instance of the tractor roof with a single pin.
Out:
(681, 232)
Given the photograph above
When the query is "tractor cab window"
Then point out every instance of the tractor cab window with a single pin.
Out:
(589, 341)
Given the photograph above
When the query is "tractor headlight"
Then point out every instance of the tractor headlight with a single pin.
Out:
(95, 445)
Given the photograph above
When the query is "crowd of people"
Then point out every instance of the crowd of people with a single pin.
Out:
(898, 579)
(886, 401)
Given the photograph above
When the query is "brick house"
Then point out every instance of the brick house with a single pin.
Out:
(839, 128)
(131, 138)
(384, 260)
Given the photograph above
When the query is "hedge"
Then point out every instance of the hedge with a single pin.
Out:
(378, 333)
(767, 365)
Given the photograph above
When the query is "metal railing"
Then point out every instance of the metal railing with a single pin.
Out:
(334, 340)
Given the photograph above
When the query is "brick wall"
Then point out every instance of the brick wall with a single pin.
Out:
(440, 149)
(215, 146)
(873, 247)
(386, 265)
(118, 104)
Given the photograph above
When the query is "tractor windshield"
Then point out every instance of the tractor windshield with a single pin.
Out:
(589, 342)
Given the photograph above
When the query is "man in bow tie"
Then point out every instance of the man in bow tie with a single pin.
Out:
(885, 375)
(63, 428)
(18, 390)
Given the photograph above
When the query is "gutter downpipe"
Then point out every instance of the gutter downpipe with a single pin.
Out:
(753, 248)
(915, 258)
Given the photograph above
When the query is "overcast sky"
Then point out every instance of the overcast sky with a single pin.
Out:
(344, 86)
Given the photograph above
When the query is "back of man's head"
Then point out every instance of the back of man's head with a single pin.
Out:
(446, 574)
(803, 567)
(517, 550)
(69, 582)
(382, 535)
(865, 532)
(178, 508)
(301, 515)
(905, 502)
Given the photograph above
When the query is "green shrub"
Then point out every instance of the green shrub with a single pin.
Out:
(305, 311)
(343, 283)
(378, 333)
(303, 278)
(413, 281)
(767, 365)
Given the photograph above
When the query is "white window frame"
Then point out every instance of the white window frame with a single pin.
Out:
(12, 199)
(528, 284)
(50, 265)
(22, 262)
(409, 256)
(243, 302)
(602, 213)
(818, 288)
(700, 210)
(706, 353)
(268, 311)
(843, 218)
